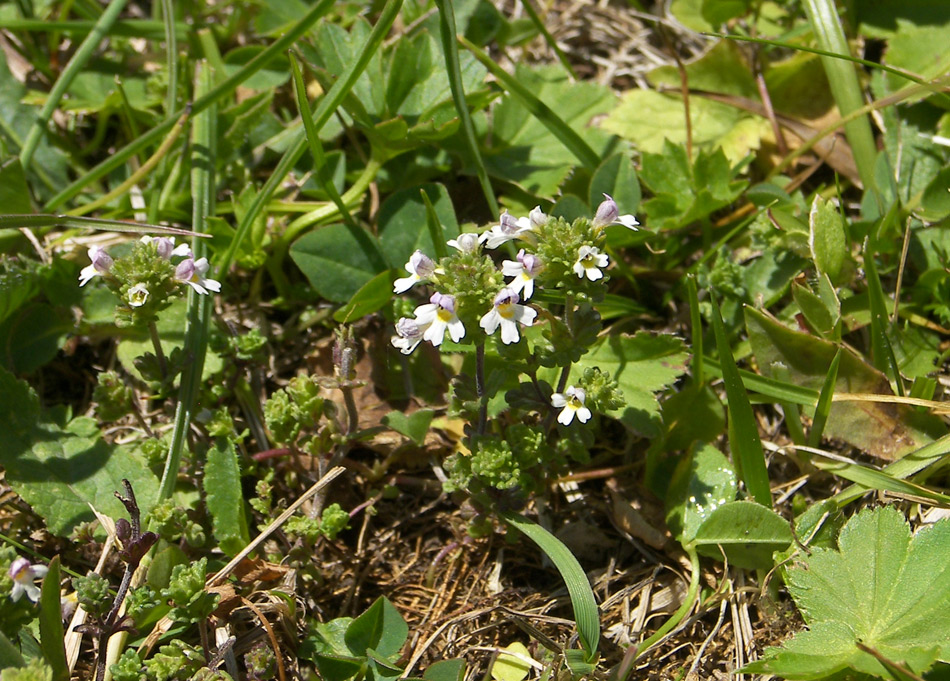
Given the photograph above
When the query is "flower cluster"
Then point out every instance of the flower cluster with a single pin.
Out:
(152, 271)
(470, 290)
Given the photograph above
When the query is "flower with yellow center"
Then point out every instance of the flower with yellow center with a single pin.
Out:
(507, 313)
(437, 317)
(571, 403)
(589, 262)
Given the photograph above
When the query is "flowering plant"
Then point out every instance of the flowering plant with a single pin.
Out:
(477, 300)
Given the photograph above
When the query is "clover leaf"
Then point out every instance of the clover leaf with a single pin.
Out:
(884, 590)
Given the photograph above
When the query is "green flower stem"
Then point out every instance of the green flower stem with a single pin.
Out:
(691, 596)
(159, 353)
(76, 64)
(480, 386)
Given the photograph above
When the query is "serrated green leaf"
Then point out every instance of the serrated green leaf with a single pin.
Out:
(703, 481)
(642, 365)
(61, 471)
(883, 587)
(747, 532)
(523, 150)
(685, 191)
(225, 498)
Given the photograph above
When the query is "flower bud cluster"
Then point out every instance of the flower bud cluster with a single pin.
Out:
(145, 280)
(470, 289)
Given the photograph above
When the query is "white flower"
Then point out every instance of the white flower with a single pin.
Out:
(589, 262)
(23, 575)
(408, 335)
(572, 401)
(507, 229)
(137, 295)
(437, 316)
(166, 246)
(192, 272)
(419, 267)
(609, 214)
(507, 313)
(524, 270)
(467, 243)
(101, 262)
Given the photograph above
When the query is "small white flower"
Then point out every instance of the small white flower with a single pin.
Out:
(507, 313)
(609, 214)
(101, 262)
(166, 247)
(437, 317)
(408, 335)
(507, 229)
(537, 218)
(524, 270)
(589, 262)
(467, 243)
(138, 295)
(572, 401)
(23, 575)
(192, 272)
(419, 267)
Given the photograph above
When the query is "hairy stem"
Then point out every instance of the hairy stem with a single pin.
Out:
(159, 353)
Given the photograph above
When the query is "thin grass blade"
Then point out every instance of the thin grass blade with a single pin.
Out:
(435, 227)
(325, 109)
(696, 329)
(548, 38)
(38, 221)
(313, 137)
(447, 30)
(748, 455)
(51, 623)
(912, 463)
(824, 402)
(204, 137)
(570, 139)
(227, 86)
(823, 17)
(75, 65)
(882, 354)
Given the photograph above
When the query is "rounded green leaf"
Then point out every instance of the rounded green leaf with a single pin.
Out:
(746, 532)
(702, 482)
